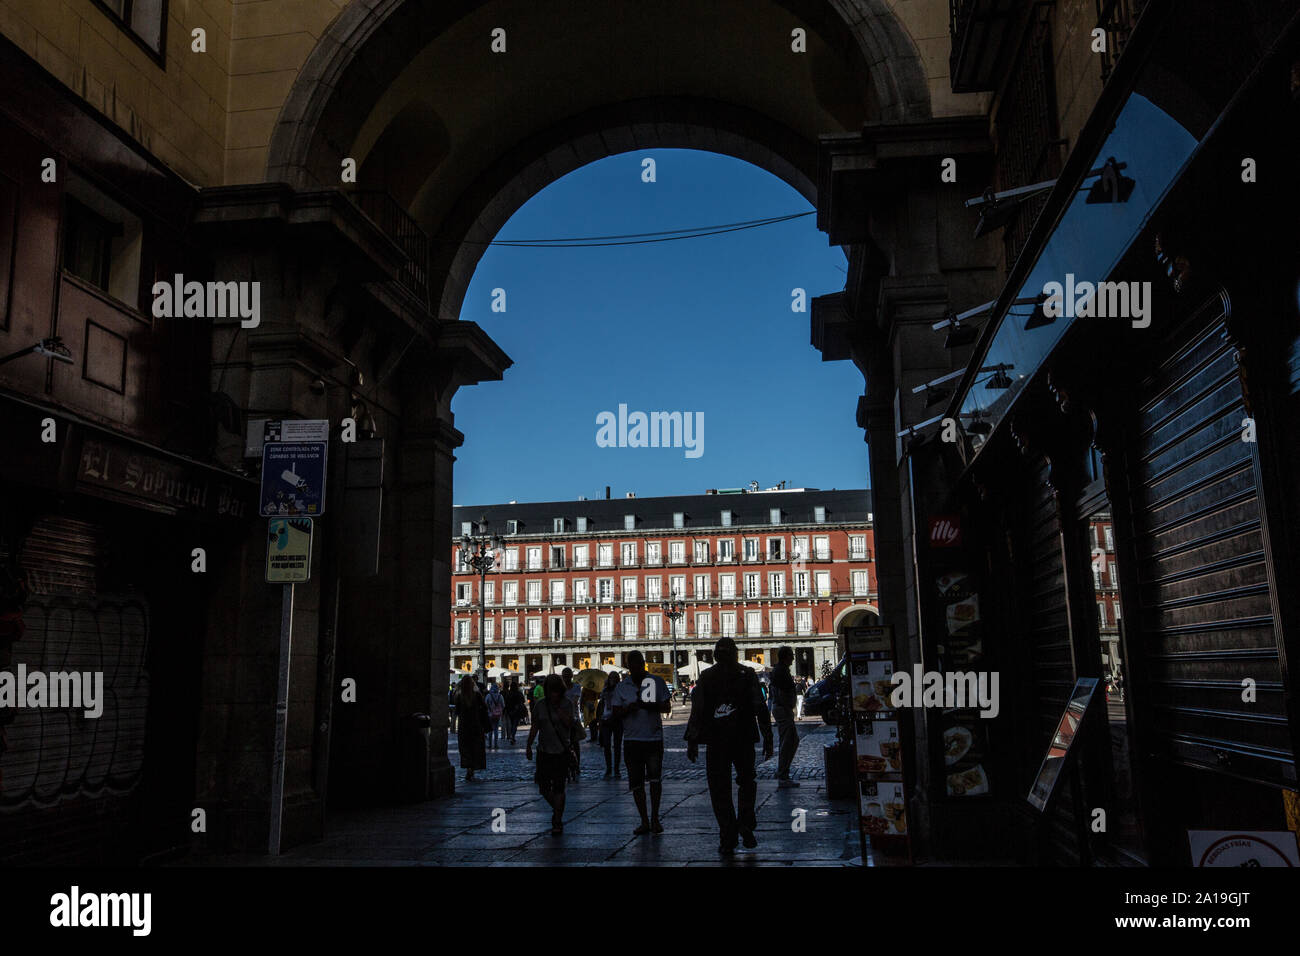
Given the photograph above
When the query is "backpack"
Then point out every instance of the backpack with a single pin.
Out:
(495, 704)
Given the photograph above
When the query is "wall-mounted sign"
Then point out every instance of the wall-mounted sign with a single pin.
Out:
(293, 479)
(945, 531)
(861, 640)
(288, 551)
(121, 473)
(1250, 848)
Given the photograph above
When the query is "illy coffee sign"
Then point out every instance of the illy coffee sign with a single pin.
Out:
(945, 531)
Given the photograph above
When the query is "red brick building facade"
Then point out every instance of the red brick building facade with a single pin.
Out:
(580, 584)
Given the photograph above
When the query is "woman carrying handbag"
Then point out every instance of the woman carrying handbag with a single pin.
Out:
(553, 722)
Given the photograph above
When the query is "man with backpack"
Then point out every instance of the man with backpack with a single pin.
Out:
(496, 706)
(728, 714)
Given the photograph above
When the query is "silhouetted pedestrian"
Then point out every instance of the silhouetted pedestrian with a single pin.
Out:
(784, 703)
(472, 717)
(496, 707)
(640, 702)
(554, 723)
(727, 716)
(611, 728)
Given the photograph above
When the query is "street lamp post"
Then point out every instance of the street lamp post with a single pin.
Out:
(673, 609)
(479, 552)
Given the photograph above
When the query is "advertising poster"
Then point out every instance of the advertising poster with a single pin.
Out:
(872, 683)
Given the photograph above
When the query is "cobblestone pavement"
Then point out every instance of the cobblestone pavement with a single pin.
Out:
(509, 763)
(501, 820)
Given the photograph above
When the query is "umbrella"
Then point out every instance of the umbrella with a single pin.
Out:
(501, 672)
(591, 678)
(753, 664)
(694, 669)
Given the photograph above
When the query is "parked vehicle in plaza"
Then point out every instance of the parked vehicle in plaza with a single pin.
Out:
(823, 698)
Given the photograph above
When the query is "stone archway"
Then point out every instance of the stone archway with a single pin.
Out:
(365, 48)
(407, 88)
(856, 615)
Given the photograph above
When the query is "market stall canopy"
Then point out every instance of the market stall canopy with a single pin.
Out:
(693, 670)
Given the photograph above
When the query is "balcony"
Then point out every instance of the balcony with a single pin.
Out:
(397, 224)
(982, 32)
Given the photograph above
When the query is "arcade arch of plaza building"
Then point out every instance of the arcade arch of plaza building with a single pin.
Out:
(449, 139)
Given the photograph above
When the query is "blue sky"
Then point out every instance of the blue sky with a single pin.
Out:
(701, 326)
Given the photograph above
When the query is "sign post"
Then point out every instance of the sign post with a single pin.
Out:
(281, 719)
(292, 494)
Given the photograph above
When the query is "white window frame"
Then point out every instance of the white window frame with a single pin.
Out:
(652, 589)
(822, 584)
(753, 585)
(752, 549)
(510, 593)
(581, 628)
(581, 556)
(819, 514)
(533, 591)
(1109, 533)
(556, 627)
(510, 630)
(774, 515)
(632, 632)
(700, 551)
(803, 622)
(703, 621)
(464, 593)
(627, 588)
(581, 591)
(821, 547)
(629, 522)
(582, 524)
(798, 584)
(753, 623)
(727, 623)
(654, 552)
(776, 584)
(653, 625)
(534, 558)
(677, 582)
(865, 588)
(726, 550)
(679, 519)
(512, 559)
(858, 547)
(777, 621)
(604, 590)
(605, 555)
(552, 589)
(780, 541)
(605, 626)
(676, 552)
(727, 587)
(725, 518)
(533, 629)
(624, 549)
(557, 526)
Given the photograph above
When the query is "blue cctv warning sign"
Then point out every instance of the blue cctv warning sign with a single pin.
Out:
(293, 479)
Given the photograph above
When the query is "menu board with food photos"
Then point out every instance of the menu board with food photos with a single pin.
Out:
(877, 743)
(964, 733)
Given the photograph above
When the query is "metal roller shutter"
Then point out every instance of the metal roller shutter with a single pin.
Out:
(1048, 647)
(1207, 617)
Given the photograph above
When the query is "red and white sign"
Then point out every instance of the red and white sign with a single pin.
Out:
(1248, 849)
(945, 531)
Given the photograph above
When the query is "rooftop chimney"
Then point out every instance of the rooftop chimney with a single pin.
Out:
(607, 492)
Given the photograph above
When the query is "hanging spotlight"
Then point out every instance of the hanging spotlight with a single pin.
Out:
(934, 396)
(1111, 186)
(997, 209)
(999, 378)
(1039, 317)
